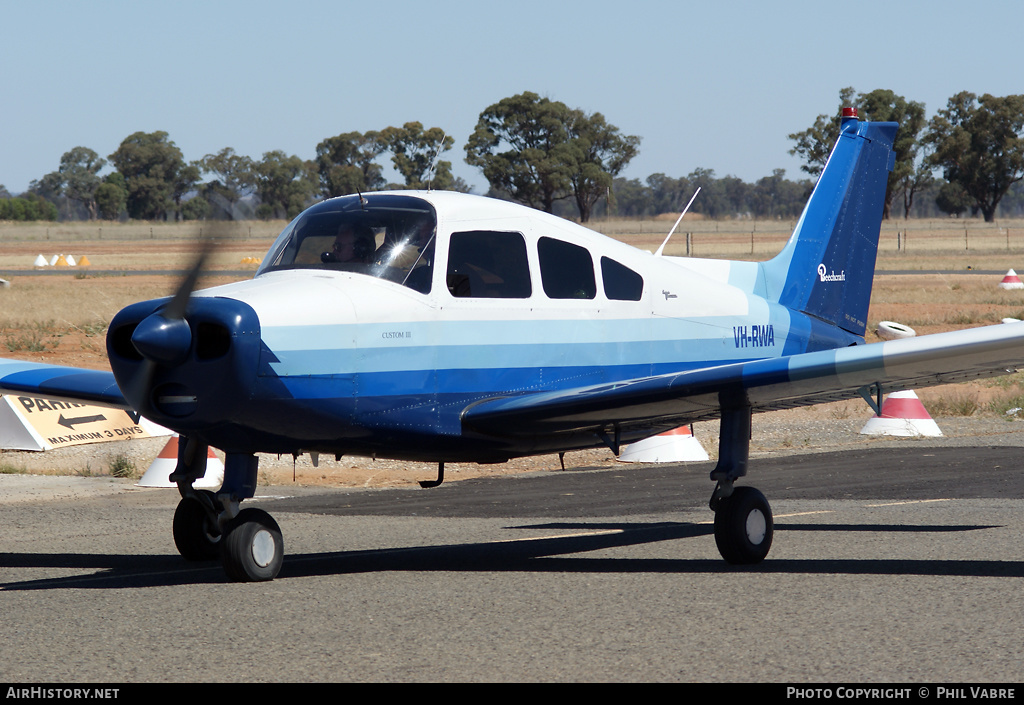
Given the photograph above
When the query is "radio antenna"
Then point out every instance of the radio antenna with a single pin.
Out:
(433, 162)
(678, 220)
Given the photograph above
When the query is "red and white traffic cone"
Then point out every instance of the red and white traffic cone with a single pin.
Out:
(903, 414)
(158, 473)
(675, 446)
(1011, 281)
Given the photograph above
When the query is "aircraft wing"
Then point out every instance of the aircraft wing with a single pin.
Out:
(769, 384)
(65, 383)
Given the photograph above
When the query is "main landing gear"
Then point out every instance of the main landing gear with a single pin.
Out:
(743, 518)
(208, 525)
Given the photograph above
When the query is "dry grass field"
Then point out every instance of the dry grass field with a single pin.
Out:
(61, 319)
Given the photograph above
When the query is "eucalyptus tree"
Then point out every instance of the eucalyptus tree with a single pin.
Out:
(112, 196)
(415, 153)
(347, 163)
(597, 153)
(539, 151)
(881, 105)
(79, 171)
(155, 174)
(979, 145)
(235, 178)
(520, 144)
(285, 184)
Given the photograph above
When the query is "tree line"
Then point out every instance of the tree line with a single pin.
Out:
(976, 143)
(542, 153)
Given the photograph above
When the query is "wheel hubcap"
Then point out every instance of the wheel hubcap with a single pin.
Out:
(263, 548)
(756, 527)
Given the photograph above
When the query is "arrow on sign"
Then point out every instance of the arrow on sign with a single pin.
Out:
(70, 423)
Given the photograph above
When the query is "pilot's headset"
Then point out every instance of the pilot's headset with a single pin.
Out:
(365, 245)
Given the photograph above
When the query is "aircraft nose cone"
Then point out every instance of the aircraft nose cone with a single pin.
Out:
(162, 340)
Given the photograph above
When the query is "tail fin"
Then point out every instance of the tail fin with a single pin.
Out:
(827, 267)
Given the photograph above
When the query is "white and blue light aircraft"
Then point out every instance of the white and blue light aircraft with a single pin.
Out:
(448, 327)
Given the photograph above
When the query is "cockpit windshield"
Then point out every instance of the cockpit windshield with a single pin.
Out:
(387, 236)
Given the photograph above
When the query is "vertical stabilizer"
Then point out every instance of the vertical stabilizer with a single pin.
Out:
(826, 268)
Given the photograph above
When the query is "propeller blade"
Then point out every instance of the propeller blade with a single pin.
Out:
(164, 337)
(179, 304)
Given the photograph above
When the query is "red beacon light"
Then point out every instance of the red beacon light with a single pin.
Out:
(849, 119)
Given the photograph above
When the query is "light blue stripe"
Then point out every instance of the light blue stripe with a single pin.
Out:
(481, 345)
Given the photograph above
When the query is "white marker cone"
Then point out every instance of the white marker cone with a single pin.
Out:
(675, 446)
(163, 466)
(890, 330)
(903, 414)
(1011, 281)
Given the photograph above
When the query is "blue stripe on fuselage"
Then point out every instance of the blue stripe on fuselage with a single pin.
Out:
(488, 357)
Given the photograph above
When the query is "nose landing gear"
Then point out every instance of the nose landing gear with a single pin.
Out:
(207, 525)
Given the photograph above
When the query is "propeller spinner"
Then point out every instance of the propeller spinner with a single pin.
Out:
(185, 361)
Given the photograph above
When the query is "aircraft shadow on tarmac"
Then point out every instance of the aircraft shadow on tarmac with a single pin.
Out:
(538, 555)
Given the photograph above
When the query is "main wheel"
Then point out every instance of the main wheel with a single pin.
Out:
(252, 549)
(743, 526)
(197, 538)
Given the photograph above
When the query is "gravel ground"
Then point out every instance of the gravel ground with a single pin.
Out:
(810, 430)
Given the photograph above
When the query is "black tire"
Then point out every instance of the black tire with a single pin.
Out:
(252, 549)
(197, 538)
(744, 527)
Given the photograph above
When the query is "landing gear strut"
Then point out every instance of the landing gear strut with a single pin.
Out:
(208, 525)
(743, 518)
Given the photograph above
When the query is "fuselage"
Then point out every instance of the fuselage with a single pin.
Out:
(503, 301)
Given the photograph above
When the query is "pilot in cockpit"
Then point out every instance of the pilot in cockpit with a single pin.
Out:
(354, 244)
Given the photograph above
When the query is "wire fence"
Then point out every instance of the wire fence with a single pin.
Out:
(758, 239)
(734, 239)
(80, 231)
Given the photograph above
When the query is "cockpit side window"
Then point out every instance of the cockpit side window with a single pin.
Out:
(379, 235)
(489, 265)
(620, 282)
(566, 270)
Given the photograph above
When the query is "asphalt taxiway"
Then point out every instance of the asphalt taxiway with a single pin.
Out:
(896, 565)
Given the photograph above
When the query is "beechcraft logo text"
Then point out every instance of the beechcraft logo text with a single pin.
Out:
(833, 277)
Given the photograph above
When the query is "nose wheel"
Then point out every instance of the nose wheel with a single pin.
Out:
(252, 549)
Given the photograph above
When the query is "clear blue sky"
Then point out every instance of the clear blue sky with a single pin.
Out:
(717, 85)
